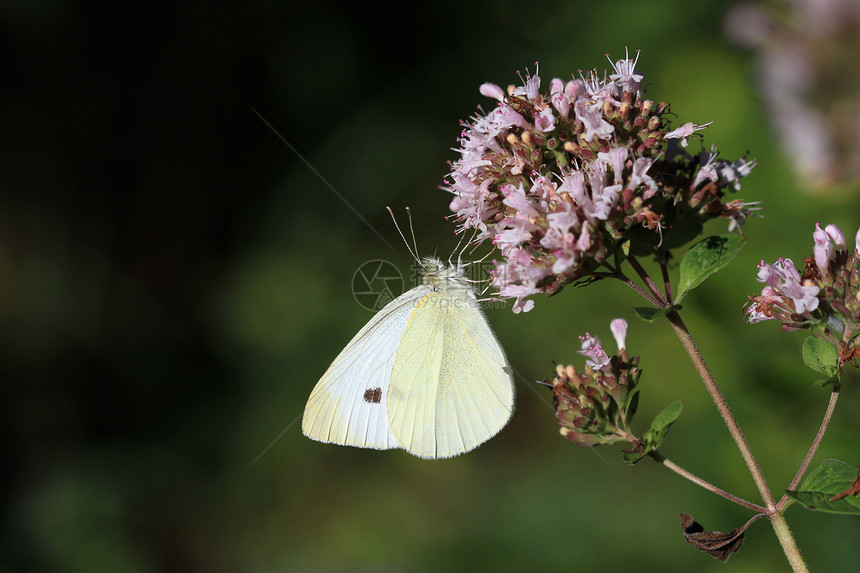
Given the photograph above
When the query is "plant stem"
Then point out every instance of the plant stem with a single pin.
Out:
(707, 485)
(786, 539)
(831, 406)
(723, 408)
(667, 284)
(641, 292)
(780, 526)
(649, 282)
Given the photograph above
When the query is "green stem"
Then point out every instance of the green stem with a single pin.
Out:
(786, 539)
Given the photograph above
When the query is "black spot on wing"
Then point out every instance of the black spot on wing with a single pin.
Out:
(373, 395)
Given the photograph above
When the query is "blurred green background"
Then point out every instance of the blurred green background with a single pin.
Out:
(174, 280)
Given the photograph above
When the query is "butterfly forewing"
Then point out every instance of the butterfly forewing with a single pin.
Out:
(348, 404)
(451, 388)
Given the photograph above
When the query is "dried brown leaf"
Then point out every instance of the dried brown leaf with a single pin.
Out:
(716, 543)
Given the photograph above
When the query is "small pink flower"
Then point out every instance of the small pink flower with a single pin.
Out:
(625, 73)
(593, 350)
(686, 131)
(545, 120)
(558, 97)
(515, 197)
(619, 330)
(763, 306)
(591, 115)
(730, 173)
(823, 250)
(493, 91)
(640, 176)
(508, 117)
(615, 158)
(783, 277)
(836, 235)
(531, 87)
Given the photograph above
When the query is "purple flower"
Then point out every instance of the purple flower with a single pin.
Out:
(829, 243)
(559, 182)
(783, 277)
(531, 87)
(763, 308)
(493, 91)
(545, 120)
(619, 330)
(625, 73)
(826, 297)
(686, 131)
(591, 115)
(615, 158)
(558, 97)
(593, 350)
(823, 250)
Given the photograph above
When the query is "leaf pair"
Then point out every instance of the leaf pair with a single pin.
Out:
(653, 438)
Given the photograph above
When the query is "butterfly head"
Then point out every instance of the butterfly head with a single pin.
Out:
(438, 275)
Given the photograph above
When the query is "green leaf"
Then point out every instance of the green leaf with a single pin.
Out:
(661, 424)
(821, 356)
(833, 487)
(706, 258)
(631, 404)
(650, 314)
(632, 457)
(834, 380)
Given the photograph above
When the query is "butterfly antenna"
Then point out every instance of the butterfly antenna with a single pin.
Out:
(408, 248)
(412, 230)
(460, 254)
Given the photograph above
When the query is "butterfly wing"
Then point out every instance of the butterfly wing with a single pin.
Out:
(348, 404)
(451, 387)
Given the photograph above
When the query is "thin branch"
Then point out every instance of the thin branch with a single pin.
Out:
(723, 408)
(831, 406)
(707, 485)
(647, 296)
(667, 284)
(648, 281)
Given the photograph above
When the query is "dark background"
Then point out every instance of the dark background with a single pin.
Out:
(174, 279)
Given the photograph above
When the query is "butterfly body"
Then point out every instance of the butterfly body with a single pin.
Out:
(426, 374)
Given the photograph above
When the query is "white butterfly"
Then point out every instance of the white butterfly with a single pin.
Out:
(426, 374)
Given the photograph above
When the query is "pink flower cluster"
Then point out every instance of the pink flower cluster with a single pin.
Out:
(596, 406)
(826, 294)
(561, 181)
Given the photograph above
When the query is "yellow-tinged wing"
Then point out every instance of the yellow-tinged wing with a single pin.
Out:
(451, 388)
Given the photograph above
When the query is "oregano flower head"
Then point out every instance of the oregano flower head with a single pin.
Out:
(564, 180)
(824, 297)
(596, 405)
